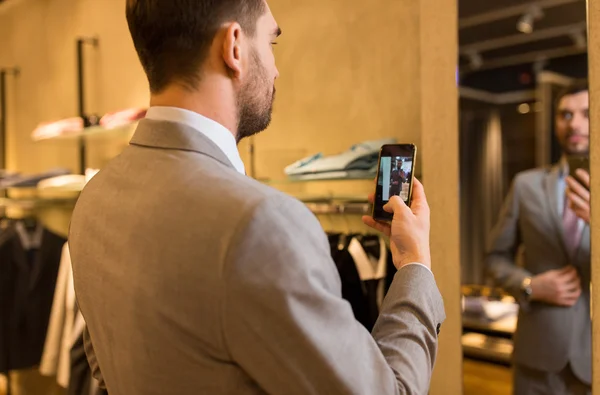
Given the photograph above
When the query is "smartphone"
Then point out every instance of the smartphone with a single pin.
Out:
(578, 162)
(395, 175)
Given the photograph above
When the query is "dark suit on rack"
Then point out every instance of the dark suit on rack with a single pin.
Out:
(549, 339)
(27, 282)
(195, 279)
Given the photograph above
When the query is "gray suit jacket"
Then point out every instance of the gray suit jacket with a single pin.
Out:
(194, 279)
(547, 337)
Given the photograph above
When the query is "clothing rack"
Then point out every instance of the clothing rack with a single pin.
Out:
(81, 43)
(3, 73)
(339, 208)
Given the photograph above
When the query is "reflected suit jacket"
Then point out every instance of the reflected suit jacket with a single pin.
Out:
(195, 279)
(548, 337)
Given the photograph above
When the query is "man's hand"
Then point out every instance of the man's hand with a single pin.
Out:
(578, 195)
(557, 287)
(409, 230)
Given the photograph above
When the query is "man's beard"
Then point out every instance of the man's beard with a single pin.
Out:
(254, 102)
(575, 149)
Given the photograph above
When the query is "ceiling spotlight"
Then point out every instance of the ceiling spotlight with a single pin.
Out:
(579, 39)
(476, 60)
(525, 23)
(524, 108)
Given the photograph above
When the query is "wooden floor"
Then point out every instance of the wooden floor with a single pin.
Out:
(481, 378)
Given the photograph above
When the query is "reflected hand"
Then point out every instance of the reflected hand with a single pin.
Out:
(409, 229)
(557, 287)
(578, 194)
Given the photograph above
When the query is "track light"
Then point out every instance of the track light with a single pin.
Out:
(476, 60)
(525, 23)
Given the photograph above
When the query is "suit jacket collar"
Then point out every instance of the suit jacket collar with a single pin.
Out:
(177, 136)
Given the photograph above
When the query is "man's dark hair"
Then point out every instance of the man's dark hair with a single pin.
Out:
(573, 89)
(173, 37)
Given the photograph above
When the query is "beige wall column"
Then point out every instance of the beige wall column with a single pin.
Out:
(594, 59)
(439, 139)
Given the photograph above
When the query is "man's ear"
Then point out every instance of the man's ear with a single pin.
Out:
(232, 49)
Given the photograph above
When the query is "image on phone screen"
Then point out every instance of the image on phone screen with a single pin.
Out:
(395, 176)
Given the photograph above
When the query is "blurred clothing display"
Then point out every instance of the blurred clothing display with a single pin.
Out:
(29, 263)
(362, 157)
(366, 270)
(63, 127)
(64, 354)
(31, 181)
(123, 117)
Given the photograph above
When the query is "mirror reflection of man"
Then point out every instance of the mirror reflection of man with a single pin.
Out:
(545, 211)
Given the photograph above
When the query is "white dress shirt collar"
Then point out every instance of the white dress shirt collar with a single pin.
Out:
(214, 131)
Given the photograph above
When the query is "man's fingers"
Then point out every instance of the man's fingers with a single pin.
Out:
(381, 227)
(371, 198)
(572, 280)
(577, 201)
(566, 269)
(583, 176)
(576, 189)
(568, 273)
(419, 199)
(395, 205)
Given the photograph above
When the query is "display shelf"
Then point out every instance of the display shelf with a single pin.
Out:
(288, 181)
(94, 131)
(298, 180)
(30, 203)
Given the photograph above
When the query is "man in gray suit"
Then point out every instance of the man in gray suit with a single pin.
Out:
(553, 341)
(195, 279)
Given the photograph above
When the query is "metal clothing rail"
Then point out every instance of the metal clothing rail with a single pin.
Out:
(81, 43)
(3, 74)
(339, 208)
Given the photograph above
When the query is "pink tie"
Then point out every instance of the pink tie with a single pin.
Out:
(571, 228)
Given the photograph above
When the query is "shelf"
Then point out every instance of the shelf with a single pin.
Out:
(94, 131)
(289, 181)
(35, 203)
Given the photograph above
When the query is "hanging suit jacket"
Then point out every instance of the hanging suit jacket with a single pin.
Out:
(195, 279)
(27, 282)
(547, 337)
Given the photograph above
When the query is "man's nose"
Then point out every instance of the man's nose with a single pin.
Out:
(577, 122)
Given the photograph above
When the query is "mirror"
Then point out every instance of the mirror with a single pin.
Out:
(524, 109)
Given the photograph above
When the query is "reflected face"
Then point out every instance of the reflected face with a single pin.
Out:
(573, 123)
(256, 95)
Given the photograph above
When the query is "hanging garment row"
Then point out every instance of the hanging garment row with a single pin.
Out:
(366, 270)
(40, 324)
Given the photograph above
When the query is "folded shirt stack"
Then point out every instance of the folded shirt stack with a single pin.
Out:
(360, 161)
(32, 180)
(75, 125)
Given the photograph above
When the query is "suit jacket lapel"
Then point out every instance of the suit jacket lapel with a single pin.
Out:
(551, 192)
(177, 136)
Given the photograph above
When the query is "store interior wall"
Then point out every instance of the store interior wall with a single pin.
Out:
(497, 141)
(350, 71)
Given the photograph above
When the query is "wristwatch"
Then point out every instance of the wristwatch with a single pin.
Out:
(526, 288)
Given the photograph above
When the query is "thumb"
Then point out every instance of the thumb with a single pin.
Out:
(395, 205)
(419, 200)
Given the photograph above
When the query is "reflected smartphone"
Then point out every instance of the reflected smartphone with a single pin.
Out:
(395, 175)
(578, 162)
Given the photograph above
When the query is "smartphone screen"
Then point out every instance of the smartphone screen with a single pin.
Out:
(394, 177)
